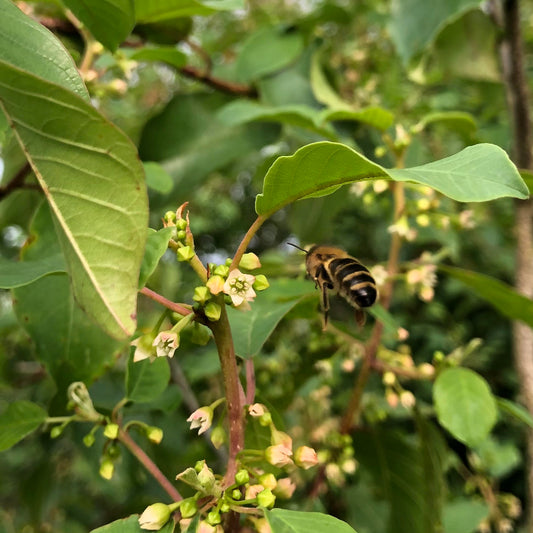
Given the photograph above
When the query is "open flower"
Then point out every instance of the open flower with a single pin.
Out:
(166, 343)
(201, 418)
(239, 287)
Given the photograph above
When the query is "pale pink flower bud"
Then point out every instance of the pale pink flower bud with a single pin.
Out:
(285, 488)
(305, 457)
(278, 455)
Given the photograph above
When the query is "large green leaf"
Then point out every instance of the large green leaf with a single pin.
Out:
(94, 183)
(502, 296)
(26, 44)
(16, 274)
(72, 347)
(465, 405)
(20, 419)
(414, 24)
(146, 380)
(408, 475)
(285, 521)
(110, 21)
(477, 173)
(252, 328)
(156, 10)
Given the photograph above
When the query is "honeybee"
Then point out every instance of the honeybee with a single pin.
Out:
(333, 268)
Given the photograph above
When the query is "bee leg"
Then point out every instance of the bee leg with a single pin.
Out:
(360, 317)
(325, 305)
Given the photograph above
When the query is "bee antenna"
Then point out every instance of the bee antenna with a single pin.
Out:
(296, 246)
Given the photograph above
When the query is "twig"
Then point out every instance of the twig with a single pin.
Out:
(17, 182)
(140, 454)
(178, 308)
(258, 222)
(224, 86)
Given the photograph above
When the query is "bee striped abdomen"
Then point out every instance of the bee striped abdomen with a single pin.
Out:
(354, 281)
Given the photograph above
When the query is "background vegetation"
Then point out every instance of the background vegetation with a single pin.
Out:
(212, 93)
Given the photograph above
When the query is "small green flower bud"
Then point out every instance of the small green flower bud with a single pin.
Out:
(380, 151)
(185, 253)
(111, 431)
(242, 476)
(188, 507)
(206, 478)
(169, 218)
(155, 516)
(261, 283)
(221, 270)
(268, 481)
(107, 468)
(180, 235)
(236, 494)
(201, 294)
(213, 518)
(199, 465)
(218, 437)
(181, 223)
(88, 440)
(225, 507)
(56, 431)
(249, 261)
(212, 311)
(266, 499)
(154, 434)
(265, 420)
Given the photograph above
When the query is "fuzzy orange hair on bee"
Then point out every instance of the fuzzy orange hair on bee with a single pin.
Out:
(334, 269)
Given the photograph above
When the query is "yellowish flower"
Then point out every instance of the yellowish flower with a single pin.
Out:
(239, 287)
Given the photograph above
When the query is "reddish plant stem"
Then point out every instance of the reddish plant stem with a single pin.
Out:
(250, 381)
(234, 394)
(17, 182)
(167, 303)
(140, 454)
(217, 83)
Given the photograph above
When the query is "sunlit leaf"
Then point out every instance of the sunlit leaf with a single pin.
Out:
(477, 173)
(110, 21)
(94, 183)
(18, 420)
(465, 405)
(156, 10)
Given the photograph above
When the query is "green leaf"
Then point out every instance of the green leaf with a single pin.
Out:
(497, 458)
(130, 525)
(464, 516)
(242, 111)
(156, 10)
(16, 274)
(156, 246)
(19, 420)
(157, 178)
(414, 24)
(94, 183)
(465, 405)
(373, 116)
(252, 328)
(462, 123)
(406, 474)
(110, 21)
(164, 54)
(268, 50)
(515, 410)
(72, 347)
(285, 521)
(500, 295)
(477, 173)
(26, 44)
(146, 380)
